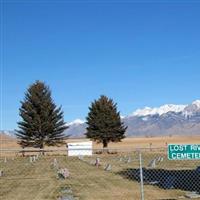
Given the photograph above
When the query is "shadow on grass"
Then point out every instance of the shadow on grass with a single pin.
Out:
(188, 180)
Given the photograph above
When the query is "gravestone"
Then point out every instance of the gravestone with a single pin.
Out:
(97, 162)
(161, 159)
(108, 167)
(55, 163)
(31, 159)
(129, 159)
(92, 162)
(152, 163)
(5, 160)
(63, 173)
(66, 190)
(34, 158)
(157, 159)
(67, 197)
(1, 173)
(80, 157)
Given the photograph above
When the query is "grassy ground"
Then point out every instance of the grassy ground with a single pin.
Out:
(38, 181)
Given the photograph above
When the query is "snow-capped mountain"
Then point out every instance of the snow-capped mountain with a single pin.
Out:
(196, 103)
(165, 120)
(192, 108)
(160, 110)
(76, 122)
(76, 128)
(186, 110)
(168, 119)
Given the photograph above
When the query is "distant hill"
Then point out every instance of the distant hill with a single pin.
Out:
(77, 128)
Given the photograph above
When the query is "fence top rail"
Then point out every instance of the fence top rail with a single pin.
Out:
(83, 149)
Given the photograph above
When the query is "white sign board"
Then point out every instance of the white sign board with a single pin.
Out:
(80, 149)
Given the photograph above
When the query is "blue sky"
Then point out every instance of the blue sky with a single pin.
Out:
(139, 54)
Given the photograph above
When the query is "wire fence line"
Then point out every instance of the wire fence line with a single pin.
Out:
(141, 174)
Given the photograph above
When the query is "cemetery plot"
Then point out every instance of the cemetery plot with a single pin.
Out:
(101, 176)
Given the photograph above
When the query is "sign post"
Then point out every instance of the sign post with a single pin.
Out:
(184, 151)
(141, 177)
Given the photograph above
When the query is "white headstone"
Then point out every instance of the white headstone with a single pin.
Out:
(80, 157)
(108, 167)
(34, 158)
(55, 163)
(5, 160)
(30, 159)
(159, 159)
(129, 160)
(152, 163)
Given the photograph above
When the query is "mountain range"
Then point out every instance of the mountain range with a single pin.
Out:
(168, 119)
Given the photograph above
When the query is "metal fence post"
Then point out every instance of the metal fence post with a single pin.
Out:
(141, 177)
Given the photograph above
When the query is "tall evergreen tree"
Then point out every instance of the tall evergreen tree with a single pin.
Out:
(104, 122)
(42, 121)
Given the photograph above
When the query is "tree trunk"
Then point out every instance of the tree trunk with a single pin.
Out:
(105, 146)
(42, 149)
(23, 153)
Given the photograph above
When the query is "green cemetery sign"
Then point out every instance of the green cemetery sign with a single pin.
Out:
(184, 152)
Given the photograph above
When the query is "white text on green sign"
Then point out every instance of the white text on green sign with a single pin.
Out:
(184, 152)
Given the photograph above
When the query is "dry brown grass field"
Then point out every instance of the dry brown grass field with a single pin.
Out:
(7, 142)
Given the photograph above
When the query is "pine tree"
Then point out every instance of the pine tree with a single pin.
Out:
(104, 122)
(42, 121)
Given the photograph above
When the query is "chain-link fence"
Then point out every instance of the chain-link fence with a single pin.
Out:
(105, 174)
